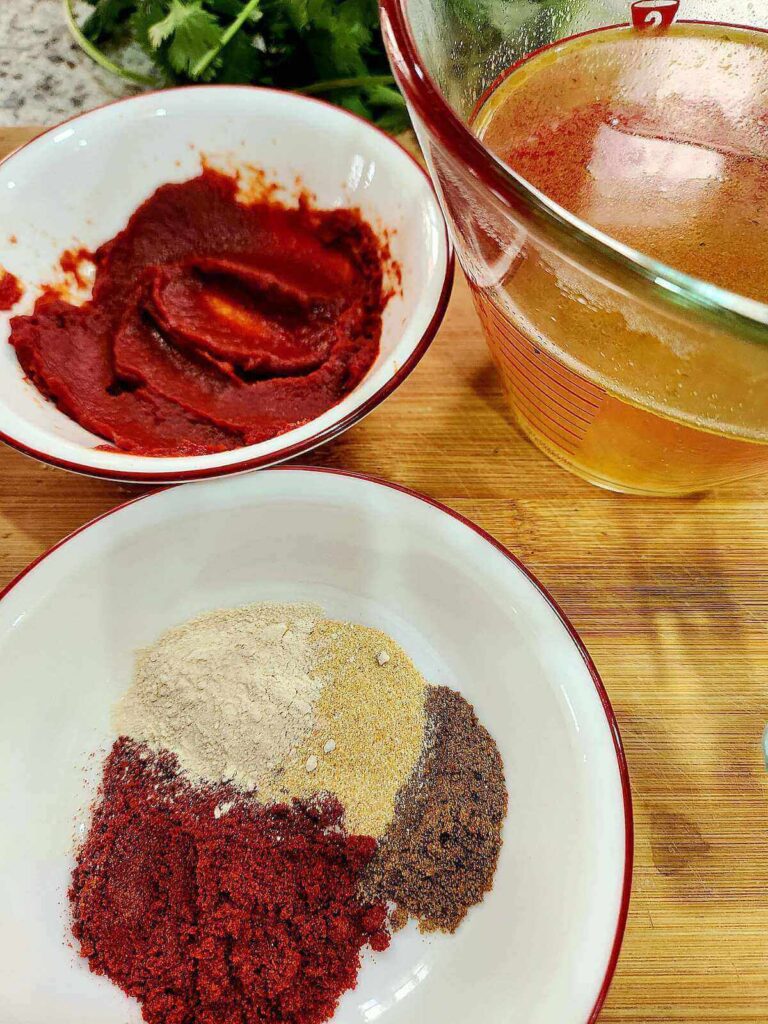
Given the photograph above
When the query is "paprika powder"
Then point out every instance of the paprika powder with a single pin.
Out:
(211, 908)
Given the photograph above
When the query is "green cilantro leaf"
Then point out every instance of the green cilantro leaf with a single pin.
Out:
(297, 12)
(165, 28)
(147, 14)
(241, 61)
(189, 33)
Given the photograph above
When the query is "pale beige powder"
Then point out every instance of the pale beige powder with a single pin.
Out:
(231, 693)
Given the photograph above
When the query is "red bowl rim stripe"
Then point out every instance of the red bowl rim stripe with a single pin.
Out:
(299, 447)
(570, 629)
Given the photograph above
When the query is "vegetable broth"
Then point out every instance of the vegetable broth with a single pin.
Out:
(660, 140)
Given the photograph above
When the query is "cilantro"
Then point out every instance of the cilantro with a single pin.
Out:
(146, 14)
(106, 17)
(330, 48)
(240, 61)
(188, 32)
(230, 9)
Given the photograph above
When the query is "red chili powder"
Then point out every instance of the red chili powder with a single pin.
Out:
(10, 290)
(251, 915)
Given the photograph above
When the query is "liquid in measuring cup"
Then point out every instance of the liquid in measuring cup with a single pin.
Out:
(660, 140)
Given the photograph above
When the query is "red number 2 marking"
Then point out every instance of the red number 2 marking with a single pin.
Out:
(650, 14)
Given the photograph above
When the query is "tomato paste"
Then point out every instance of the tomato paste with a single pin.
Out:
(10, 290)
(214, 322)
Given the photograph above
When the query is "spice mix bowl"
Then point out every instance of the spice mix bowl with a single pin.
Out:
(197, 282)
(543, 943)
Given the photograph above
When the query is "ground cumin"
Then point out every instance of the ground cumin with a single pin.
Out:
(369, 729)
(438, 857)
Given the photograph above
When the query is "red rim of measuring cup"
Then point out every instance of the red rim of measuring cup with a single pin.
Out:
(621, 760)
(662, 283)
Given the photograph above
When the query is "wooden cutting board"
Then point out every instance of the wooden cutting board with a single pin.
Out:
(671, 598)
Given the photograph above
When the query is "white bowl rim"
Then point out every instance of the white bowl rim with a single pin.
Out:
(333, 430)
(578, 643)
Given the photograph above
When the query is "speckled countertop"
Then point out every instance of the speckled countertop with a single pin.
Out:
(44, 77)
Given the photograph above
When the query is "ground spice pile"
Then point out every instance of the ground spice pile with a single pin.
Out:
(439, 855)
(209, 907)
(283, 782)
(230, 693)
(369, 726)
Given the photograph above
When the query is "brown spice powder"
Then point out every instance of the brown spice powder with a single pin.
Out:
(439, 855)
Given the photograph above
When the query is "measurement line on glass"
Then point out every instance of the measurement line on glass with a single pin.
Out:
(535, 415)
(537, 359)
(512, 355)
(524, 396)
(559, 403)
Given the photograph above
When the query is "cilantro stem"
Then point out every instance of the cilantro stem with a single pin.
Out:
(335, 84)
(207, 59)
(98, 55)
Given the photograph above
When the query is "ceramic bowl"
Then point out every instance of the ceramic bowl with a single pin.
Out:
(77, 184)
(542, 946)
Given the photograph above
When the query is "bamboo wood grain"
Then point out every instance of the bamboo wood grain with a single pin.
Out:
(670, 597)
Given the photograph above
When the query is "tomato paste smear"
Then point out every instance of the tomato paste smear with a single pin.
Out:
(10, 290)
(213, 323)
(207, 906)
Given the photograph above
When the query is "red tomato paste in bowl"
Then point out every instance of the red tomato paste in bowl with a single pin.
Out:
(10, 290)
(214, 322)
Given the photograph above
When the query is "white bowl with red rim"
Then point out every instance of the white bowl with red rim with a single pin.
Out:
(77, 184)
(543, 945)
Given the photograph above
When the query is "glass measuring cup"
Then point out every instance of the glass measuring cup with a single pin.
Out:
(632, 374)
